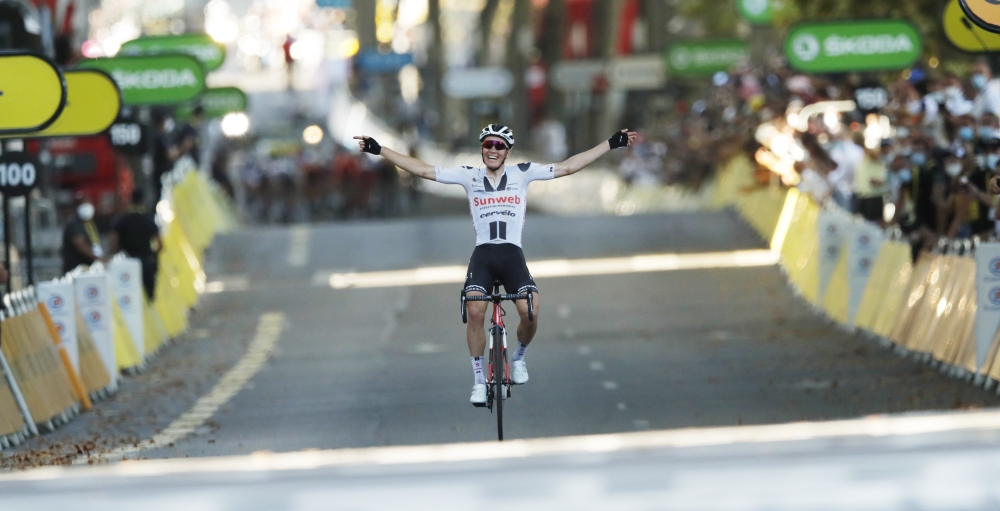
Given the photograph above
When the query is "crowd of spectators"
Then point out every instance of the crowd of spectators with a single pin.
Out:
(917, 152)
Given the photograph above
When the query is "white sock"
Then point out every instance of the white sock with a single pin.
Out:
(477, 368)
(519, 352)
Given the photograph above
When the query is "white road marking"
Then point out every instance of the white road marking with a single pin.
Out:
(563, 268)
(597, 366)
(622, 406)
(298, 247)
(609, 385)
(871, 426)
(228, 283)
(268, 330)
(584, 350)
(641, 424)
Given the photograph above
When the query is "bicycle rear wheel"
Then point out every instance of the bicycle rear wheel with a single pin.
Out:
(499, 376)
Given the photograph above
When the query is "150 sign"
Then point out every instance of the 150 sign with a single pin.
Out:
(18, 173)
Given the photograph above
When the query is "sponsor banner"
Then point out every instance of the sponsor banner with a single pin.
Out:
(637, 73)
(210, 53)
(987, 298)
(217, 102)
(576, 75)
(864, 243)
(984, 13)
(833, 226)
(93, 102)
(973, 38)
(126, 285)
(60, 300)
(477, 82)
(757, 12)
(833, 47)
(33, 93)
(374, 61)
(156, 80)
(704, 58)
(93, 298)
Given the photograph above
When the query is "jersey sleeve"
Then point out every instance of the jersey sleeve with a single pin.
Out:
(451, 175)
(537, 171)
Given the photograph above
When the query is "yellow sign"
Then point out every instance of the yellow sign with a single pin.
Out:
(965, 37)
(32, 93)
(92, 105)
(985, 13)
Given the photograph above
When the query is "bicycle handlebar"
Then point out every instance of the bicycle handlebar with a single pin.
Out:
(490, 298)
(497, 298)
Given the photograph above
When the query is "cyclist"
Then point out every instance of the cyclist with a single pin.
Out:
(497, 200)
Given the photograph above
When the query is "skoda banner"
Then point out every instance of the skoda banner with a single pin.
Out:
(217, 102)
(704, 58)
(987, 298)
(157, 80)
(836, 47)
(210, 53)
(757, 12)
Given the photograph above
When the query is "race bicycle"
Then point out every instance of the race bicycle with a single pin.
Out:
(498, 381)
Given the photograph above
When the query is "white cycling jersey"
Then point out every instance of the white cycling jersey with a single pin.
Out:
(497, 207)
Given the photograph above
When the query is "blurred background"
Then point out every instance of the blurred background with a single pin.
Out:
(764, 126)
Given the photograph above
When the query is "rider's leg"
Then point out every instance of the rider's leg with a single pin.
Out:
(527, 328)
(476, 332)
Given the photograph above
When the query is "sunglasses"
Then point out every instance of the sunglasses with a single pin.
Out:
(494, 144)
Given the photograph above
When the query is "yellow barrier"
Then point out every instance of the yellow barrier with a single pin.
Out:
(126, 355)
(92, 370)
(37, 369)
(883, 290)
(74, 378)
(11, 421)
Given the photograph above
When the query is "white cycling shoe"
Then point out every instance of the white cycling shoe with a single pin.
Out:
(478, 397)
(520, 376)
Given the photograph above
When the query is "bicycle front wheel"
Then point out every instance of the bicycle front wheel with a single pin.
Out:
(499, 376)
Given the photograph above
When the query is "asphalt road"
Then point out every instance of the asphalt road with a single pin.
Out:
(389, 366)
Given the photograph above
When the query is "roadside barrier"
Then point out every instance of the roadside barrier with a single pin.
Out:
(64, 344)
(943, 309)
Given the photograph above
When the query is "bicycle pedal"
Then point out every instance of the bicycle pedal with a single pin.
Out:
(479, 405)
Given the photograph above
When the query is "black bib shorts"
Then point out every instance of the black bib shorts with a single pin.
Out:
(498, 261)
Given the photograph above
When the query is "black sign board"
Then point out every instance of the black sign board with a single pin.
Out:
(127, 136)
(18, 173)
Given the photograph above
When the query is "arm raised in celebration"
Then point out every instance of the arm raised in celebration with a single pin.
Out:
(575, 163)
(407, 163)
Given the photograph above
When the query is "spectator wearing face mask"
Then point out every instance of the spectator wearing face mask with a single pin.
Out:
(986, 133)
(961, 211)
(988, 99)
(81, 244)
(847, 155)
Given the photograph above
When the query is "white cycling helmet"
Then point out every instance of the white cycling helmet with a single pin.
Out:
(498, 130)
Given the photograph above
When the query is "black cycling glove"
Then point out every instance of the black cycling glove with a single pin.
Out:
(371, 146)
(619, 139)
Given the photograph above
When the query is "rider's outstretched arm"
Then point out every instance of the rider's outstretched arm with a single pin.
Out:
(407, 163)
(577, 162)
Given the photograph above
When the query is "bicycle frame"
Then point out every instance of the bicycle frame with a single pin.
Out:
(499, 382)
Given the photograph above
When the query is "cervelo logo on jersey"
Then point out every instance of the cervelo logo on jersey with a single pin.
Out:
(490, 201)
